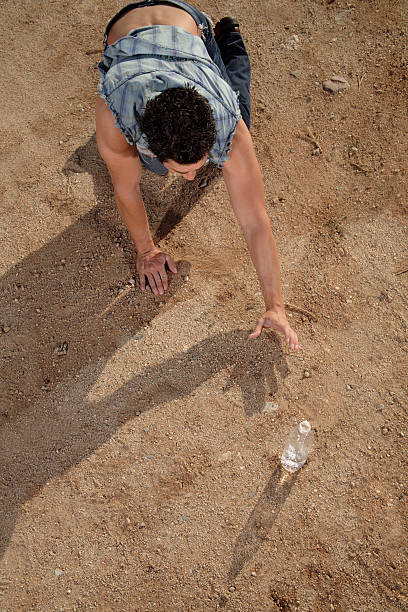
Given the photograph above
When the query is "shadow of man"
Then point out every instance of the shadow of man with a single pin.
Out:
(57, 434)
(262, 519)
(69, 304)
(52, 301)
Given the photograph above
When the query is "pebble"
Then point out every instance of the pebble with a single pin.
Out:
(225, 457)
(292, 42)
(348, 388)
(269, 407)
(306, 374)
(61, 349)
(6, 329)
(253, 573)
(58, 572)
(384, 430)
(232, 589)
(292, 150)
(203, 183)
(335, 84)
(296, 73)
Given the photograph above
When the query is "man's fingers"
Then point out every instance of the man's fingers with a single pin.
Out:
(158, 280)
(163, 277)
(171, 264)
(292, 340)
(152, 283)
(142, 280)
(258, 329)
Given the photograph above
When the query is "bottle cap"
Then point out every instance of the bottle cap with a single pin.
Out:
(305, 427)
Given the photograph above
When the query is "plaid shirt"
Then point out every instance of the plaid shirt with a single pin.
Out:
(141, 65)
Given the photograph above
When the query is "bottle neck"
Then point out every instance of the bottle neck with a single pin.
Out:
(304, 429)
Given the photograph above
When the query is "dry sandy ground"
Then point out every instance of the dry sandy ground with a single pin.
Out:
(137, 470)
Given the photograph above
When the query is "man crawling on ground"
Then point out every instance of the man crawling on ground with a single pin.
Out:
(175, 96)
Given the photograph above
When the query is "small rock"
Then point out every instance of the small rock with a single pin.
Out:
(348, 388)
(138, 413)
(275, 200)
(292, 42)
(316, 151)
(58, 572)
(6, 329)
(292, 150)
(269, 407)
(61, 142)
(335, 84)
(225, 457)
(306, 374)
(232, 589)
(296, 73)
(253, 573)
(61, 349)
(203, 183)
(384, 430)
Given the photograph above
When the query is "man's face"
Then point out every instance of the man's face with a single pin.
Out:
(187, 171)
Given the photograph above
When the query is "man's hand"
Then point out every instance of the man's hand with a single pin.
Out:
(276, 319)
(153, 266)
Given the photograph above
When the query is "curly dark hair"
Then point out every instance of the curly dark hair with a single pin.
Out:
(179, 125)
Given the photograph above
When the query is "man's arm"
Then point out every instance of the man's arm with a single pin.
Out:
(243, 178)
(125, 170)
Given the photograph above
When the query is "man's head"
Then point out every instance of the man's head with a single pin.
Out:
(179, 126)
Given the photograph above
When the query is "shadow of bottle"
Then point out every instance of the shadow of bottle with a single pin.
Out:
(262, 519)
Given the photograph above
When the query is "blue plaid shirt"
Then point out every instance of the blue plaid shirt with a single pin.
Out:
(141, 65)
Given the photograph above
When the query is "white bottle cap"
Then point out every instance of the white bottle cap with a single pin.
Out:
(304, 427)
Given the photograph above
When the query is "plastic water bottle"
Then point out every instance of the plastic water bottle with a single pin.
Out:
(297, 447)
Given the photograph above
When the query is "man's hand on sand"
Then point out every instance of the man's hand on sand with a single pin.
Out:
(276, 319)
(152, 266)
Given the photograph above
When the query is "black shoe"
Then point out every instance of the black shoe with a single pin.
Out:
(224, 27)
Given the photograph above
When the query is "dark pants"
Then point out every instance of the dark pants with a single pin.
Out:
(229, 55)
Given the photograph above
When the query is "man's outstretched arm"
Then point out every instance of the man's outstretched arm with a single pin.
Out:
(125, 170)
(243, 178)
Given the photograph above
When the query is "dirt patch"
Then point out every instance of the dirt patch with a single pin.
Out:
(137, 470)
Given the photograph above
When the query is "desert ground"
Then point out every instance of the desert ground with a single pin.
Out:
(138, 469)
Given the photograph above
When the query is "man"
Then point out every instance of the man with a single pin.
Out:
(175, 98)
